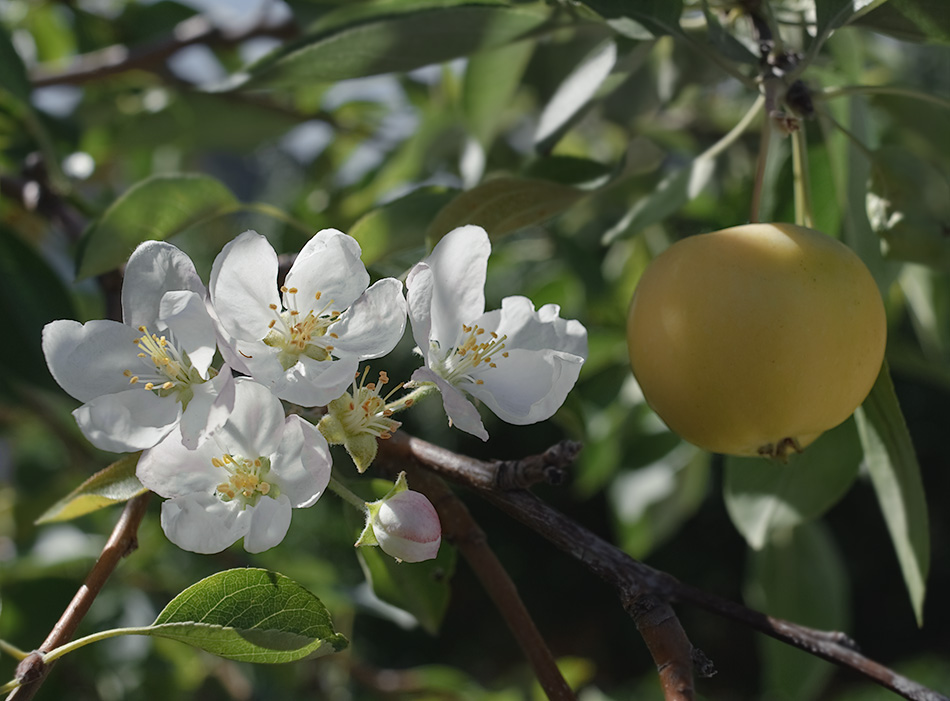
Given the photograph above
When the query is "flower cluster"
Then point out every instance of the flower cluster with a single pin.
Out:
(194, 377)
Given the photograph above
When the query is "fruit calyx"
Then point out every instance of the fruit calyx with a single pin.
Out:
(780, 451)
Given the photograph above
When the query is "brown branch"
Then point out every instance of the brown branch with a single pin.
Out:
(32, 671)
(460, 528)
(632, 578)
(118, 58)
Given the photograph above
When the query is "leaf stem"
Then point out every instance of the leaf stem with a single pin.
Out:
(9, 686)
(846, 90)
(738, 130)
(347, 495)
(273, 212)
(58, 652)
(12, 650)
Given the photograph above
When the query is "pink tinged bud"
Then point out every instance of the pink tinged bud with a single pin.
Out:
(407, 527)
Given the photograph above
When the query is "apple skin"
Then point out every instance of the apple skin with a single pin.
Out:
(756, 339)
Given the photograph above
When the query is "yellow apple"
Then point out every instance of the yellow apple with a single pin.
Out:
(756, 339)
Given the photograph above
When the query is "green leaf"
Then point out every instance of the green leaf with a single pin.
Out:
(658, 17)
(491, 80)
(398, 225)
(421, 588)
(250, 615)
(13, 76)
(765, 497)
(911, 20)
(576, 91)
(40, 298)
(895, 474)
(570, 170)
(674, 191)
(387, 37)
(798, 576)
(504, 205)
(652, 502)
(156, 208)
(112, 485)
(831, 14)
(908, 204)
(724, 42)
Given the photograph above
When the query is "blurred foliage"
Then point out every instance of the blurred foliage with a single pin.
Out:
(586, 137)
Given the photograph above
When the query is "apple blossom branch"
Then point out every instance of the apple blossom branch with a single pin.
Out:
(32, 670)
(118, 58)
(635, 580)
(460, 528)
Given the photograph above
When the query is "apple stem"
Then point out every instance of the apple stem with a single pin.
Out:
(802, 183)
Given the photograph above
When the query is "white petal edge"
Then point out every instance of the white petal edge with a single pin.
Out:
(461, 412)
(128, 421)
(302, 463)
(374, 323)
(154, 268)
(202, 523)
(244, 285)
(270, 521)
(329, 263)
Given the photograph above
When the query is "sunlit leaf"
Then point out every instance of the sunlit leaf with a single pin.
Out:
(491, 79)
(251, 615)
(398, 225)
(764, 497)
(156, 208)
(658, 17)
(576, 90)
(652, 502)
(911, 20)
(831, 14)
(504, 205)
(895, 474)
(908, 205)
(674, 191)
(112, 485)
(386, 38)
(798, 576)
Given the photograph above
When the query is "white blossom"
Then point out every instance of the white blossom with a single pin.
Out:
(520, 362)
(305, 340)
(142, 378)
(243, 481)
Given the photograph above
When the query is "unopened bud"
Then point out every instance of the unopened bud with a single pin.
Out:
(404, 524)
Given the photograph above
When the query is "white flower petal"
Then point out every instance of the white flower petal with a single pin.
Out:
(256, 423)
(244, 285)
(127, 421)
(270, 520)
(419, 290)
(202, 523)
(185, 315)
(302, 463)
(328, 264)
(528, 386)
(461, 412)
(87, 360)
(317, 382)
(171, 469)
(209, 408)
(459, 264)
(374, 323)
(535, 330)
(153, 269)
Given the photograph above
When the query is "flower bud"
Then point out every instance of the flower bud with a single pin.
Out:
(404, 524)
(407, 527)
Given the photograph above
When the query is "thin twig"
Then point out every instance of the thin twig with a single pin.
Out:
(633, 578)
(32, 671)
(118, 58)
(460, 528)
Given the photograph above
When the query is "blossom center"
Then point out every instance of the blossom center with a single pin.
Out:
(295, 333)
(364, 411)
(166, 367)
(474, 355)
(246, 479)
